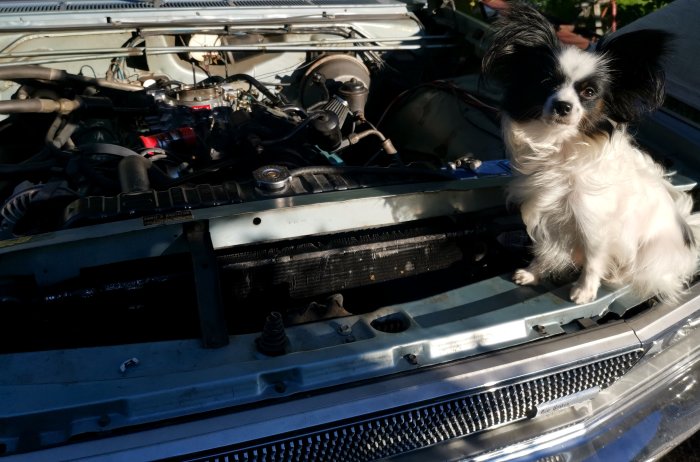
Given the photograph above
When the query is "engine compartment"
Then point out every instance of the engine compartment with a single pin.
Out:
(78, 150)
(212, 208)
(188, 120)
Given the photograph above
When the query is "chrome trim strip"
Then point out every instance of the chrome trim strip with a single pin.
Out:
(665, 316)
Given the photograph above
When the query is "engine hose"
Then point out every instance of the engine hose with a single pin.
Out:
(256, 83)
(9, 170)
(298, 109)
(24, 71)
(53, 129)
(63, 137)
(133, 174)
(38, 106)
(387, 145)
(213, 80)
(132, 166)
(107, 148)
(339, 170)
(32, 72)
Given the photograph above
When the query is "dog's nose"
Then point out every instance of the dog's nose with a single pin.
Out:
(562, 108)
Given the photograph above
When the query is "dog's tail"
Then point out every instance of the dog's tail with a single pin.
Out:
(665, 267)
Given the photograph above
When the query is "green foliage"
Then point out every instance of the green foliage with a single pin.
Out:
(629, 10)
(566, 11)
(563, 11)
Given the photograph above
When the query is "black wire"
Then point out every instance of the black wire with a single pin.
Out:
(295, 131)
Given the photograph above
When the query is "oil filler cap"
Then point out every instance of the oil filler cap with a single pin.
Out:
(272, 178)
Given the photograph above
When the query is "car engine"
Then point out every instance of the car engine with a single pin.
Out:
(220, 121)
(154, 137)
(108, 150)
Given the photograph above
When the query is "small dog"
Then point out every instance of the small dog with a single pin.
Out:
(590, 199)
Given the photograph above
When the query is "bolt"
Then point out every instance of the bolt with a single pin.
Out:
(411, 358)
(129, 363)
(540, 329)
(344, 329)
(317, 77)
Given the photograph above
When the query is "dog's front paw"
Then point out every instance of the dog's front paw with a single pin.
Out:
(581, 294)
(524, 277)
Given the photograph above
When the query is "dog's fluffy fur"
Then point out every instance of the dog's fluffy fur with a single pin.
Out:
(590, 199)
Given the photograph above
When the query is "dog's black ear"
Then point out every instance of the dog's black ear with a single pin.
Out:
(636, 71)
(520, 30)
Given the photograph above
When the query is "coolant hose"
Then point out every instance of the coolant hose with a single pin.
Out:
(38, 106)
(133, 174)
(33, 72)
(10, 170)
(135, 171)
(25, 71)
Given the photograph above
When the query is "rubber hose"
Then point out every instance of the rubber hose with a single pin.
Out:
(29, 167)
(256, 83)
(38, 106)
(26, 71)
(32, 72)
(133, 174)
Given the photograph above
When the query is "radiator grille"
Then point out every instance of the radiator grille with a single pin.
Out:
(406, 430)
(339, 263)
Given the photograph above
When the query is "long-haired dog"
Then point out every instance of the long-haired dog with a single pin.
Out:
(590, 199)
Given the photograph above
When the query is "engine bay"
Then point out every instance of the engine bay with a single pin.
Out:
(185, 126)
(213, 208)
(80, 150)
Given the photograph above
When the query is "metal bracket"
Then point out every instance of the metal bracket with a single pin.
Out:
(210, 305)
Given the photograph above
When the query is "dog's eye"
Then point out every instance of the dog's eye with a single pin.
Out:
(588, 92)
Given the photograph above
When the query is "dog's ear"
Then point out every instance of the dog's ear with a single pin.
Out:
(635, 62)
(520, 31)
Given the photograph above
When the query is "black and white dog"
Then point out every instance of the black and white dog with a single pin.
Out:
(591, 200)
